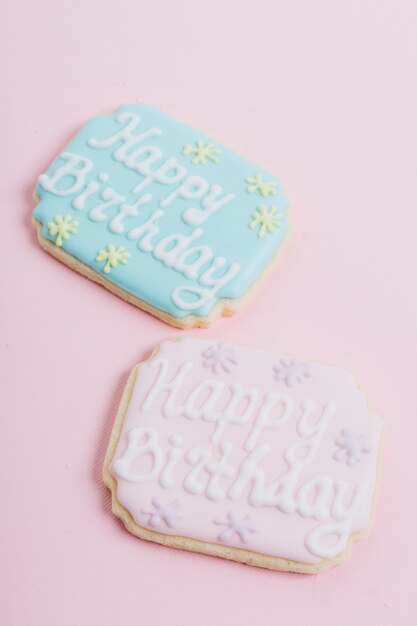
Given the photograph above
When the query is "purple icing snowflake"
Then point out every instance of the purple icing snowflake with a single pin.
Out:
(219, 358)
(241, 527)
(351, 446)
(291, 371)
(167, 513)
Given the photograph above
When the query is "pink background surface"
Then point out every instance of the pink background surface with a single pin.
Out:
(323, 94)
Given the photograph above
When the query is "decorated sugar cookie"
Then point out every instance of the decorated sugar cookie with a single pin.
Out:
(245, 454)
(161, 215)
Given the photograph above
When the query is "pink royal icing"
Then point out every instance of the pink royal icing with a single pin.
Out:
(216, 447)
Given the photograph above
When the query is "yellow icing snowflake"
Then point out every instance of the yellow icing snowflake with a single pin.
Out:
(62, 228)
(257, 184)
(267, 219)
(113, 256)
(201, 152)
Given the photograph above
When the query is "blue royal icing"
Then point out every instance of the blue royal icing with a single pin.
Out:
(162, 211)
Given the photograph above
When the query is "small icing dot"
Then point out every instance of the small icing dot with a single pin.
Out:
(103, 177)
(175, 440)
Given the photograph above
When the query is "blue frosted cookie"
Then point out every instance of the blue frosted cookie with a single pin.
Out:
(161, 215)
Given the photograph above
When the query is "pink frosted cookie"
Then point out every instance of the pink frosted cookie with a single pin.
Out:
(245, 454)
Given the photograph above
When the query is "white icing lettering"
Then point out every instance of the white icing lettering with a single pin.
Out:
(161, 386)
(314, 497)
(111, 199)
(230, 415)
(152, 154)
(168, 173)
(126, 136)
(199, 458)
(167, 253)
(214, 388)
(75, 168)
(191, 261)
(315, 540)
(166, 479)
(264, 421)
(210, 204)
(206, 279)
(191, 188)
(146, 232)
(217, 471)
(79, 201)
(250, 475)
(128, 210)
(134, 451)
